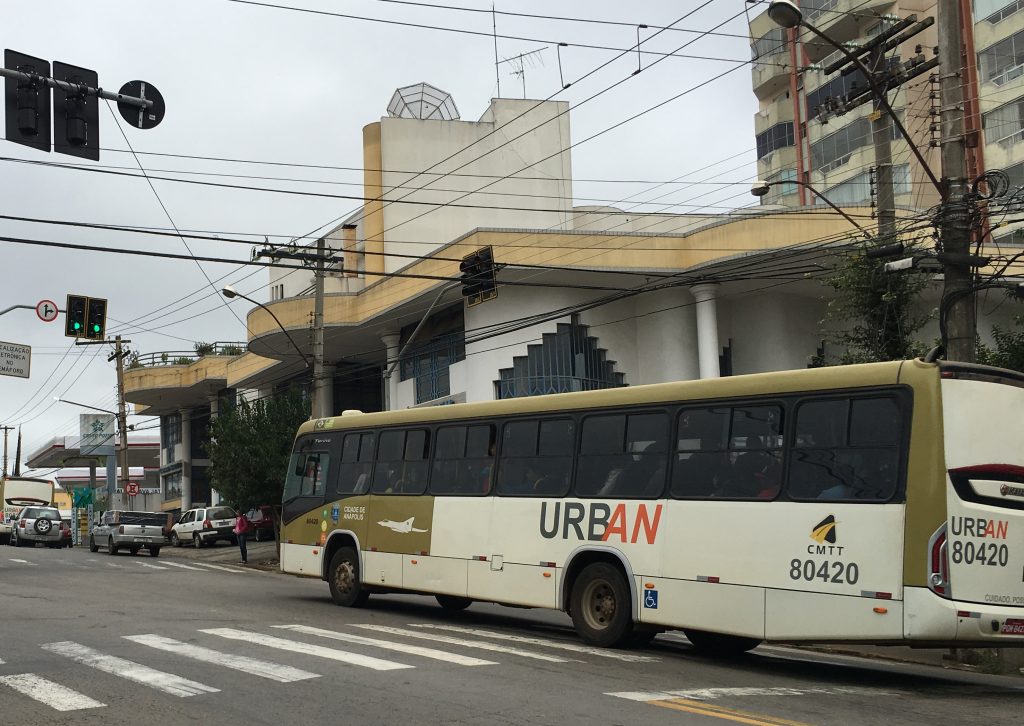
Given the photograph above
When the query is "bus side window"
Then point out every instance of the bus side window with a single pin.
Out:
(402, 462)
(356, 464)
(536, 457)
(623, 456)
(701, 458)
(463, 460)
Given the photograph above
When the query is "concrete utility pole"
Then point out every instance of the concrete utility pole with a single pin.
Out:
(881, 133)
(322, 394)
(122, 419)
(6, 430)
(954, 234)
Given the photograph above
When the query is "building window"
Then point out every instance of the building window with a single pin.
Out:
(172, 487)
(995, 11)
(1005, 124)
(170, 431)
(1002, 62)
(815, 8)
(836, 149)
(772, 42)
(429, 364)
(857, 189)
(567, 360)
(777, 137)
(780, 185)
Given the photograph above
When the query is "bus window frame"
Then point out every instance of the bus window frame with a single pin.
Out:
(627, 411)
(539, 417)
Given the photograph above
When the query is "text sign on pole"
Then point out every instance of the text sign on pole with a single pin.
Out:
(15, 359)
(97, 434)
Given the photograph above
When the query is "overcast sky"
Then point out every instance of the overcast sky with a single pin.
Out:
(268, 84)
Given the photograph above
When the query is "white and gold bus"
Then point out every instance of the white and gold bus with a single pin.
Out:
(879, 503)
(16, 493)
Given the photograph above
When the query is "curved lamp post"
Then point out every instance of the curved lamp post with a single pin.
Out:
(230, 292)
(760, 187)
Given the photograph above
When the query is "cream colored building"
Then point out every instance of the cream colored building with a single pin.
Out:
(588, 297)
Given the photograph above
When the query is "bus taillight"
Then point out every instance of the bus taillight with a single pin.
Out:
(938, 568)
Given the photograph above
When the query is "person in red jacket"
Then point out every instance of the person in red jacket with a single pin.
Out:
(242, 528)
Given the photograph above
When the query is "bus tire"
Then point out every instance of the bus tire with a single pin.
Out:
(719, 644)
(343, 577)
(453, 602)
(600, 605)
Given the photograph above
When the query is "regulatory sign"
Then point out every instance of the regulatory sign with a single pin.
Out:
(47, 310)
(132, 488)
(15, 359)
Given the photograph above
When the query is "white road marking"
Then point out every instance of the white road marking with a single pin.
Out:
(114, 564)
(560, 645)
(219, 567)
(710, 694)
(252, 666)
(167, 682)
(21, 562)
(152, 567)
(47, 692)
(295, 646)
(389, 645)
(466, 643)
(184, 567)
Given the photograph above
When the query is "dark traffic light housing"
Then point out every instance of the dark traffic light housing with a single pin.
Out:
(478, 283)
(27, 103)
(76, 115)
(74, 320)
(96, 318)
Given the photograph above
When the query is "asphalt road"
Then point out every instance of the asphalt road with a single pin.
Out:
(97, 639)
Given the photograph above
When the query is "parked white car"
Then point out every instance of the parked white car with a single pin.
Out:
(204, 525)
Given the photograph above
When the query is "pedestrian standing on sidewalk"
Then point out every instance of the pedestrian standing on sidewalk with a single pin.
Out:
(242, 527)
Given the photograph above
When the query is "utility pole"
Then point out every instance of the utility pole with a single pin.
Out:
(320, 379)
(881, 134)
(954, 234)
(6, 429)
(122, 418)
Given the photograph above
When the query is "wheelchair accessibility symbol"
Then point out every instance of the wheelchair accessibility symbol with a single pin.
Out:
(651, 599)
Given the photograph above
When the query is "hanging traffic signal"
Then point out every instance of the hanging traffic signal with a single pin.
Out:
(74, 318)
(96, 318)
(76, 114)
(27, 102)
(478, 283)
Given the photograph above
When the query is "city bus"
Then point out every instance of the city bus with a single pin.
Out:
(880, 503)
(18, 492)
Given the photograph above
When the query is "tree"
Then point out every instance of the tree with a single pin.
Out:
(250, 445)
(872, 314)
(1009, 347)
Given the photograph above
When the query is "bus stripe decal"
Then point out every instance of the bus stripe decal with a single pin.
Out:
(466, 643)
(170, 683)
(252, 666)
(295, 646)
(47, 692)
(574, 647)
(389, 645)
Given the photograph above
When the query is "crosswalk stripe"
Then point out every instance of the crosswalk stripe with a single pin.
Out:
(21, 562)
(389, 645)
(170, 683)
(152, 567)
(344, 656)
(560, 645)
(114, 564)
(47, 692)
(463, 642)
(184, 567)
(252, 666)
(219, 567)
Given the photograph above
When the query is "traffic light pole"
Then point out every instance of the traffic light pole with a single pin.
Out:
(954, 237)
(141, 103)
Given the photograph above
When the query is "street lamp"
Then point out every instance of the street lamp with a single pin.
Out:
(83, 405)
(230, 292)
(760, 187)
(786, 14)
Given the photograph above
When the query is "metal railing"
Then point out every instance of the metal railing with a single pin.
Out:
(185, 357)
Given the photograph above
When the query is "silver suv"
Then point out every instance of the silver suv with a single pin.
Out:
(38, 524)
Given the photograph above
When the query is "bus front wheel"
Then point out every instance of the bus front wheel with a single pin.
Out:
(600, 605)
(718, 644)
(343, 576)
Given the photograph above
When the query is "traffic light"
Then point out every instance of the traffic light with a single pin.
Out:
(74, 320)
(96, 318)
(478, 283)
(76, 115)
(27, 103)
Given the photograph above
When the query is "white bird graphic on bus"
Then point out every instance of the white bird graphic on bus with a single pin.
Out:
(400, 527)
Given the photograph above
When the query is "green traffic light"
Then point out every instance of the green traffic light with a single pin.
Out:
(78, 326)
(95, 328)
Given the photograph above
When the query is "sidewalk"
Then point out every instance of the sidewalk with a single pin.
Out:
(263, 556)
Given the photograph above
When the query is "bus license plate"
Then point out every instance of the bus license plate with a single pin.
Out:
(1013, 627)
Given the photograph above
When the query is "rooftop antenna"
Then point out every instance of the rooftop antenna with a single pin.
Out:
(519, 63)
(494, 25)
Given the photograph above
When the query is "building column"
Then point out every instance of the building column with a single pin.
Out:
(390, 383)
(186, 459)
(666, 335)
(707, 328)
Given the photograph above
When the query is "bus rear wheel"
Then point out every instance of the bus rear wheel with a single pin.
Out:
(600, 605)
(453, 602)
(718, 644)
(343, 577)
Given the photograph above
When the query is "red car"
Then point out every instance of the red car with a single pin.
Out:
(261, 519)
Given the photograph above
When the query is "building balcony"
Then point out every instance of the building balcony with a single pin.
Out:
(770, 75)
(164, 382)
(775, 113)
